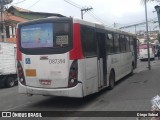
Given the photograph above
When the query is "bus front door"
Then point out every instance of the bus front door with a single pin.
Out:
(102, 66)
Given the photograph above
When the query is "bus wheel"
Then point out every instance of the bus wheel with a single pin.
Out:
(111, 80)
(132, 69)
(10, 82)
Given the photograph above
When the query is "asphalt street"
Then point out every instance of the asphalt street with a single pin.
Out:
(132, 93)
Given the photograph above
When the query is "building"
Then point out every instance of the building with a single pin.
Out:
(14, 15)
(30, 15)
(153, 35)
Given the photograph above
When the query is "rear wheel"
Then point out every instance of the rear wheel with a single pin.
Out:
(10, 82)
(111, 80)
(132, 69)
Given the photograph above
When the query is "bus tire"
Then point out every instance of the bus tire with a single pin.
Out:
(132, 69)
(111, 80)
(10, 82)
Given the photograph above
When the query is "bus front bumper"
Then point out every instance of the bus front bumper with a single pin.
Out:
(76, 91)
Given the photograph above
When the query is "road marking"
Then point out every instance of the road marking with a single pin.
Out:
(9, 109)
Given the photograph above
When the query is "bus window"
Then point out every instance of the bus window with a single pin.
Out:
(51, 37)
(116, 43)
(127, 44)
(45, 35)
(88, 41)
(35, 36)
(122, 43)
(109, 43)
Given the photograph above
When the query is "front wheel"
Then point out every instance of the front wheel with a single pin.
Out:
(111, 80)
(10, 82)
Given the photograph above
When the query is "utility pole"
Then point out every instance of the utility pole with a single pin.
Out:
(3, 30)
(84, 10)
(149, 65)
(135, 30)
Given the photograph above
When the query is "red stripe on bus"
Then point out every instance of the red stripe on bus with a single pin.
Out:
(19, 54)
(76, 52)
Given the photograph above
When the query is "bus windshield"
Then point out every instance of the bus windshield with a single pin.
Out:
(45, 35)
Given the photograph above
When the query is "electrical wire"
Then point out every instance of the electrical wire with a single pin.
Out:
(33, 4)
(18, 2)
(74, 4)
(98, 18)
(90, 12)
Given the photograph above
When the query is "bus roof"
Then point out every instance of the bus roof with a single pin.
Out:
(83, 22)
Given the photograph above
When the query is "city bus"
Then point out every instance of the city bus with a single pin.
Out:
(71, 57)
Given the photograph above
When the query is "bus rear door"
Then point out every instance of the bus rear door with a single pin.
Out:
(102, 66)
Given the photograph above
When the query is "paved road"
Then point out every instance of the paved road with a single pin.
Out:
(132, 93)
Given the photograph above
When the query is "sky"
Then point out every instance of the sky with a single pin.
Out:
(108, 12)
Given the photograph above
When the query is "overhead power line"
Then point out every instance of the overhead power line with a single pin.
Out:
(18, 2)
(74, 4)
(85, 9)
(153, 20)
(96, 17)
(33, 4)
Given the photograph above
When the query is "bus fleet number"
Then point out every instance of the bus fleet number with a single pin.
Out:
(56, 61)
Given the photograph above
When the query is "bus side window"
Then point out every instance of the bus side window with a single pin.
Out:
(109, 43)
(88, 41)
(127, 44)
(122, 43)
(131, 44)
(116, 43)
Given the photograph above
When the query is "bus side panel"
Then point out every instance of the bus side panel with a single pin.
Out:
(126, 60)
(90, 85)
(121, 63)
(114, 62)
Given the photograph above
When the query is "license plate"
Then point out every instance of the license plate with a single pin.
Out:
(45, 82)
(30, 72)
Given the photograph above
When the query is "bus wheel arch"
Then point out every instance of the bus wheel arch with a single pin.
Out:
(111, 79)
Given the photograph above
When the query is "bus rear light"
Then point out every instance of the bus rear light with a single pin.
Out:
(20, 74)
(73, 74)
(19, 69)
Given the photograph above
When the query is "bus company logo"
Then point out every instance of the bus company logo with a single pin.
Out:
(6, 114)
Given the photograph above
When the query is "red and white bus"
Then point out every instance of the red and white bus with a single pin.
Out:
(71, 57)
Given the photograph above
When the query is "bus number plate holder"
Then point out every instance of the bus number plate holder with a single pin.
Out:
(45, 82)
